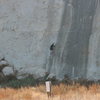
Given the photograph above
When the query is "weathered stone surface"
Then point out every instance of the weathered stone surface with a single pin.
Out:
(93, 70)
(29, 27)
(72, 48)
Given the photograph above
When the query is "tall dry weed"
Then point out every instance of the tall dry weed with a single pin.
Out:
(59, 92)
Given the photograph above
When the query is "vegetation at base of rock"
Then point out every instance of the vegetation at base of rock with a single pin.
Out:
(30, 81)
(18, 83)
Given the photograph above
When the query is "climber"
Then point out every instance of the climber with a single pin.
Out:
(52, 47)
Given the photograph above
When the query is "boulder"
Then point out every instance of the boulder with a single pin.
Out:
(51, 75)
(8, 71)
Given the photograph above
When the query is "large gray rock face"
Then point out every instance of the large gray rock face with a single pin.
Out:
(29, 27)
(72, 51)
(93, 70)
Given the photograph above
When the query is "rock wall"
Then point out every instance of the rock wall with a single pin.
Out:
(29, 27)
(74, 47)
(94, 47)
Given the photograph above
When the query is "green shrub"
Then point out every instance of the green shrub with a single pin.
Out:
(25, 82)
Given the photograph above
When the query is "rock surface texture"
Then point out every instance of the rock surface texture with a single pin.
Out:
(29, 27)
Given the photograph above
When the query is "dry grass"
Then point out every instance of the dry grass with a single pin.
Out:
(61, 92)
